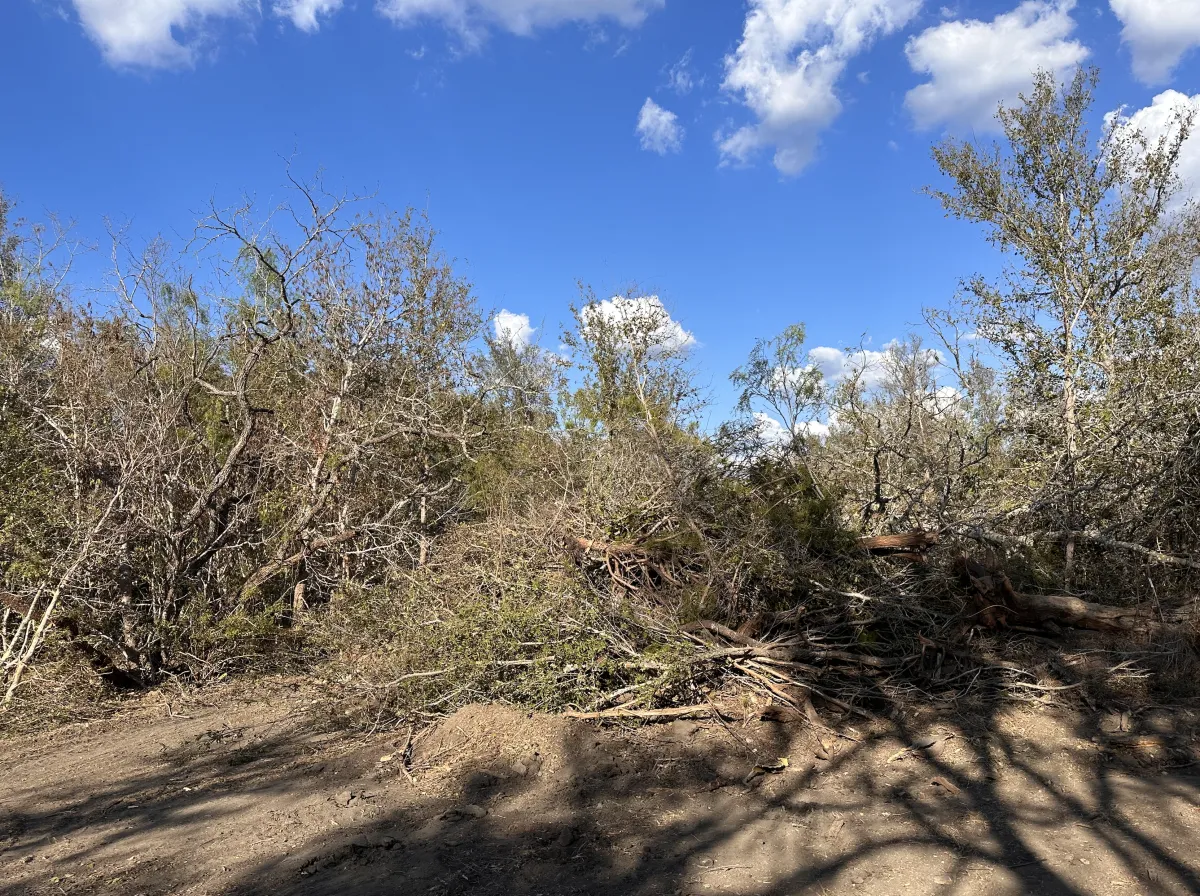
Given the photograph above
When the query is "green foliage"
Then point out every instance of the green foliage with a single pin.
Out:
(517, 630)
(1095, 319)
(336, 460)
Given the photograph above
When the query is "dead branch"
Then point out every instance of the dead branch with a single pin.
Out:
(998, 605)
(724, 631)
(1082, 537)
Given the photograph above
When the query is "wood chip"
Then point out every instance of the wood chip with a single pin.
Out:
(947, 786)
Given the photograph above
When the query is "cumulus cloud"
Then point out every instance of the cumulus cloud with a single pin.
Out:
(658, 129)
(973, 66)
(836, 365)
(155, 33)
(472, 19)
(1161, 119)
(306, 14)
(644, 315)
(773, 433)
(787, 66)
(513, 328)
(1158, 33)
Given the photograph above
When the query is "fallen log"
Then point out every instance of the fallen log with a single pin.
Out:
(998, 605)
(918, 541)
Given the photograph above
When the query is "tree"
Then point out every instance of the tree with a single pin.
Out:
(215, 455)
(914, 443)
(1094, 309)
(779, 386)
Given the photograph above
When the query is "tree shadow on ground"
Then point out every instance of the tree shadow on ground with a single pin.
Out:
(1007, 815)
(1016, 800)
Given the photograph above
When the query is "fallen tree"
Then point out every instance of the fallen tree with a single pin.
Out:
(998, 605)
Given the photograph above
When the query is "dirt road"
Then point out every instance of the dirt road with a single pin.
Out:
(242, 798)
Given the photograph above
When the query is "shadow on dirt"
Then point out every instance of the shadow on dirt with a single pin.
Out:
(1006, 815)
(1004, 800)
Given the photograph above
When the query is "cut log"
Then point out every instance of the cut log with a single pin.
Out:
(916, 542)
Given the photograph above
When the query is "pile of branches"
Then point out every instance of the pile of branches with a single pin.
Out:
(941, 634)
(523, 613)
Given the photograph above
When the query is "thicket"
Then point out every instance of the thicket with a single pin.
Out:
(297, 442)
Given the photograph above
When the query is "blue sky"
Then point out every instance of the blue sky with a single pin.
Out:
(775, 177)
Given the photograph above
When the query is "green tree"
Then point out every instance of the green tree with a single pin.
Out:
(1097, 291)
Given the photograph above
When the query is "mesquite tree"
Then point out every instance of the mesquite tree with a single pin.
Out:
(201, 458)
(1094, 319)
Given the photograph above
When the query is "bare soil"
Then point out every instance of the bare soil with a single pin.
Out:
(245, 795)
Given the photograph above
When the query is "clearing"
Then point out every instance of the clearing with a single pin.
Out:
(245, 794)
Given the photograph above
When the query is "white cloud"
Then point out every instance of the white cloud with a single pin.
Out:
(679, 76)
(815, 429)
(659, 129)
(513, 328)
(644, 315)
(771, 430)
(974, 66)
(869, 367)
(786, 68)
(775, 434)
(1161, 119)
(945, 400)
(155, 33)
(306, 14)
(1158, 33)
(473, 18)
(171, 33)
(837, 365)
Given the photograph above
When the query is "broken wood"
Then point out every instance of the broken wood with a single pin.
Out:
(915, 543)
(634, 567)
(724, 631)
(998, 605)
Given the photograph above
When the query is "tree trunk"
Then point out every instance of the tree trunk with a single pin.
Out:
(998, 604)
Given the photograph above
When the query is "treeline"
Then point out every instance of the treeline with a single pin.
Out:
(300, 434)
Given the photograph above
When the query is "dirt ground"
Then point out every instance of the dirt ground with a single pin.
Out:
(240, 795)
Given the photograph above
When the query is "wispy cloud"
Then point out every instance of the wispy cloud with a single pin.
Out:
(174, 33)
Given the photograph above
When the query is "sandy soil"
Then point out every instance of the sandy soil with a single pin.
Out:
(241, 796)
